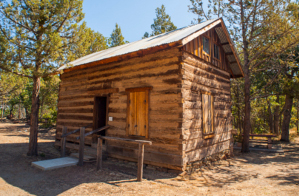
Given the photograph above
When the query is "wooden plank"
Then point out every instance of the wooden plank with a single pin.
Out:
(195, 46)
(63, 141)
(94, 131)
(132, 122)
(141, 113)
(75, 131)
(127, 140)
(140, 162)
(139, 89)
(100, 154)
(81, 148)
(203, 30)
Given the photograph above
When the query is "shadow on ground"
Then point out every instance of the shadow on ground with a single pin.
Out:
(16, 169)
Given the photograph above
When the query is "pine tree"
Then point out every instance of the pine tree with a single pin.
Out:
(88, 41)
(40, 34)
(263, 29)
(116, 38)
(162, 23)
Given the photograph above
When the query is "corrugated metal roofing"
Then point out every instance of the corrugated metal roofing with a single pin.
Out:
(165, 38)
(158, 40)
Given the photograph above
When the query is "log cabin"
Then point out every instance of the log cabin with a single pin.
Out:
(172, 89)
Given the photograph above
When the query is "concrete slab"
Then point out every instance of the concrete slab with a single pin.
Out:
(55, 163)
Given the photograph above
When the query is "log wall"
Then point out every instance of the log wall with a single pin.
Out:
(199, 75)
(175, 109)
(162, 71)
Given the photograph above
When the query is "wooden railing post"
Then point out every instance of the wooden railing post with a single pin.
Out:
(99, 154)
(81, 147)
(63, 141)
(140, 162)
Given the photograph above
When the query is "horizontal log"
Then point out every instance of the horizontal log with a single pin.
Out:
(201, 72)
(155, 147)
(75, 110)
(198, 143)
(198, 80)
(75, 124)
(197, 62)
(126, 66)
(187, 84)
(165, 165)
(163, 158)
(199, 154)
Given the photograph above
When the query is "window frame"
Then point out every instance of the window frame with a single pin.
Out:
(133, 90)
(204, 37)
(204, 134)
(216, 45)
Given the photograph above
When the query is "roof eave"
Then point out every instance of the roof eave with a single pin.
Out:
(130, 55)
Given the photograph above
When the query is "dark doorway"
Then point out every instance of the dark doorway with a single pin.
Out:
(100, 115)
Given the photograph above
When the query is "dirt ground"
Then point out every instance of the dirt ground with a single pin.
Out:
(256, 173)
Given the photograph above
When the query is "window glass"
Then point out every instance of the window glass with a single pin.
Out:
(206, 45)
(208, 113)
(216, 51)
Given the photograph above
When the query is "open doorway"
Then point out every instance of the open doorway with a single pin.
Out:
(100, 115)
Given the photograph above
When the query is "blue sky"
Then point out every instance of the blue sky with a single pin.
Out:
(133, 16)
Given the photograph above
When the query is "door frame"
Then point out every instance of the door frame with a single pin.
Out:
(95, 112)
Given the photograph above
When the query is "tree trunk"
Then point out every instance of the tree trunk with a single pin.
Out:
(247, 125)
(41, 109)
(270, 117)
(26, 112)
(297, 117)
(19, 110)
(2, 112)
(276, 116)
(286, 119)
(34, 118)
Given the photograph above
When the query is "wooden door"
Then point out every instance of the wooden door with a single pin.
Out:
(138, 113)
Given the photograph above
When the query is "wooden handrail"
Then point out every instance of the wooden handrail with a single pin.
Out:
(75, 131)
(141, 144)
(128, 140)
(94, 131)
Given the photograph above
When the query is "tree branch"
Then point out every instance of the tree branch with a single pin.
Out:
(16, 73)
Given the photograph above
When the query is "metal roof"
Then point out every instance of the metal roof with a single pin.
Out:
(158, 40)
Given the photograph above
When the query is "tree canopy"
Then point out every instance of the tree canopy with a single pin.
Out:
(263, 30)
(39, 34)
(162, 23)
(116, 38)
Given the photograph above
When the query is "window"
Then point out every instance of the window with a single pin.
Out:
(137, 111)
(206, 45)
(208, 114)
(216, 52)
